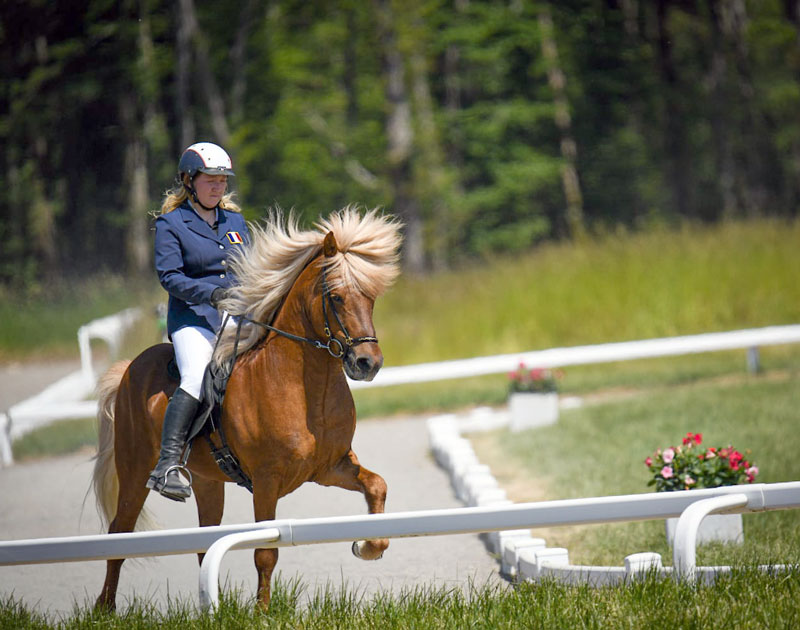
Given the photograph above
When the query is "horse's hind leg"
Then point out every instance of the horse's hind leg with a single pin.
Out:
(129, 505)
(349, 474)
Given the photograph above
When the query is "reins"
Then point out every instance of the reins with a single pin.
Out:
(333, 341)
(219, 375)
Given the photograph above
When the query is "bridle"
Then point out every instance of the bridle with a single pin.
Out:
(336, 348)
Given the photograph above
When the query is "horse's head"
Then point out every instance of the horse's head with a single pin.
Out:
(345, 318)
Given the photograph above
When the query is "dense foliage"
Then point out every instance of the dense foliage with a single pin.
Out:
(485, 125)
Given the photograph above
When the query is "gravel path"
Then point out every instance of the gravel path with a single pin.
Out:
(47, 498)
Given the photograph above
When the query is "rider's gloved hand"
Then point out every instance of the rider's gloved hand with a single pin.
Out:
(217, 296)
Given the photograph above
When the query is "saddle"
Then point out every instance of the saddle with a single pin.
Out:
(208, 420)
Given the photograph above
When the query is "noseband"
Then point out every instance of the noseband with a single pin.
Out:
(335, 347)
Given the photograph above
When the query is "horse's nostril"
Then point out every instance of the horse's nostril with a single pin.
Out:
(364, 364)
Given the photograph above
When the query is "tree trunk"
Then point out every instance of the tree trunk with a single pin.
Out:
(569, 149)
(720, 122)
(400, 138)
(204, 70)
(137, 251)
(350, 75)
(792, 11)
(674, 128)
(184, 80)
(239, 59)
(433, 177)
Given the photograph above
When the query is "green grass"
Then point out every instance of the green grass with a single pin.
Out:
(613, 288)
(59, 438)
(599, 450)
(44, 323)
(744, 599)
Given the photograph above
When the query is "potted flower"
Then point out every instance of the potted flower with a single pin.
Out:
(533, 399)
(691, 466)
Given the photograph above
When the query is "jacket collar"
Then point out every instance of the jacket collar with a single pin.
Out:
(199, 226)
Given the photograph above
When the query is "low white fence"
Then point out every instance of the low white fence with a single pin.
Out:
(65, 399)
(750, 339)
(527, 557)
(514, 517)
(492, 513)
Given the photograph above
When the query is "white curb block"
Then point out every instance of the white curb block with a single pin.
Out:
(522, 556)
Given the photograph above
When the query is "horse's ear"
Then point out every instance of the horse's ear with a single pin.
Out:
(329, 246)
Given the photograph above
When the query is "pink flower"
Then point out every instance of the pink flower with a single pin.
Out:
(648, 462)
(666, 472)
(689, 481)
(668, 456)
(751, 473)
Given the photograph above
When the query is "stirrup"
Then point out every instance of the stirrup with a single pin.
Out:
(159, 484)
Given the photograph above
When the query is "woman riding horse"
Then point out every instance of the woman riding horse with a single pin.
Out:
(198, 229)
(304, 301)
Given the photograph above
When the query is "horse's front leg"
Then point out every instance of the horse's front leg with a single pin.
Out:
(265, 501)
(349, 474)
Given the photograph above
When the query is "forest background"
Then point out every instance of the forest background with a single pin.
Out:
(487, 126)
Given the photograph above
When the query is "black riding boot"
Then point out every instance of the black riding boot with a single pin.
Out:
(164, 478)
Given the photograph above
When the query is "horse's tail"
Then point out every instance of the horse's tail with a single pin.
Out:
(104, 479)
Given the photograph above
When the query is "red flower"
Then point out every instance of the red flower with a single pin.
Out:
(697, 438)
(648, 462)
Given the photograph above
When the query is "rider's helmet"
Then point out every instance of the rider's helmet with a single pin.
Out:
(205, 157)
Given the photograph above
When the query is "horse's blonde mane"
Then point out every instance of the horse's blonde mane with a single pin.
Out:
(367, 259)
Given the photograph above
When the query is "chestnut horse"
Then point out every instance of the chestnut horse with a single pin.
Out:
(288, 413)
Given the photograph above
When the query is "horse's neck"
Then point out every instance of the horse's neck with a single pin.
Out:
(301, 358)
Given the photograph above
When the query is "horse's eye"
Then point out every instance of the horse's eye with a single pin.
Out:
(337, 298)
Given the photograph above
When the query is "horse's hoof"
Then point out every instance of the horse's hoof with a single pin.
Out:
(358, 548)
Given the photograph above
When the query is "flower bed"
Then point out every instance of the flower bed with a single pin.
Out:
(691, 465)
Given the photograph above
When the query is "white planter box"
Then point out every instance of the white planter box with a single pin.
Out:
(714, 528)
(527, 410)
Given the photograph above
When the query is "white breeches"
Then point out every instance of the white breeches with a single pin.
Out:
(193, 349)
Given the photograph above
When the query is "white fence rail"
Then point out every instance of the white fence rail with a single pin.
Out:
(60, 401)
(750, 339)
(293, 532)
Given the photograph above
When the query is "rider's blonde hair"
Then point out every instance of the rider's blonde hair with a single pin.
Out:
(175, 197)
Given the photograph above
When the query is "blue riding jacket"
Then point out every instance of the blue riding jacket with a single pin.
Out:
(192, 260)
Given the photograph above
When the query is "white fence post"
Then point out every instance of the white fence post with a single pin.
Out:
(684, 551)
(753, 360)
